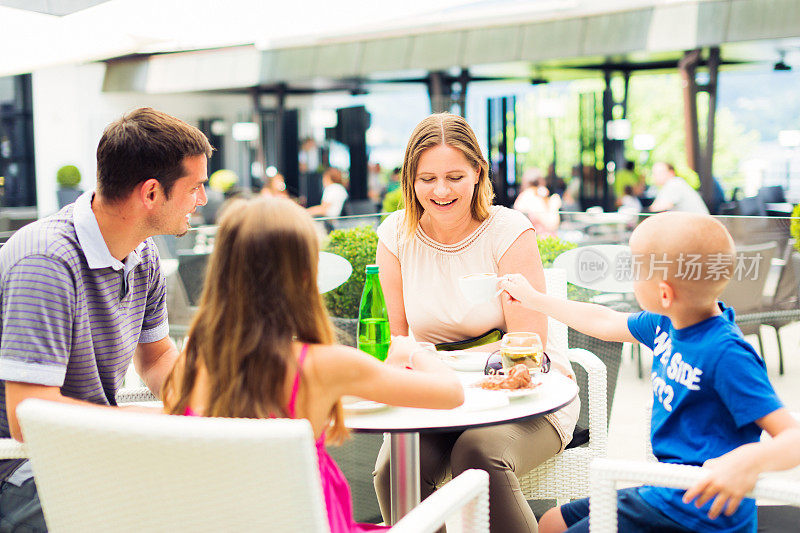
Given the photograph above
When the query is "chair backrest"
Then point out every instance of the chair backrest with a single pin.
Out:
(110, 470)
(787, 291)
(772, 194)
(192, 273)
(358, 207)
(751, 267)
(752, 206)
(556, 285)
(609, 353)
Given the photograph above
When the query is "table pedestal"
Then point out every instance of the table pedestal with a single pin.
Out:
(403, 473)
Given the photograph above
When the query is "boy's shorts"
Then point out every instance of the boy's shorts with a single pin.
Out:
(633, 514)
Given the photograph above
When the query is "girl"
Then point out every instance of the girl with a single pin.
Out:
(261, 344)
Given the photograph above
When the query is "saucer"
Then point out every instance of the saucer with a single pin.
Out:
(465, 361)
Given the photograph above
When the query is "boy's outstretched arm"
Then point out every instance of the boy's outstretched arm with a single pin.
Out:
(591, 319)
(734, 474)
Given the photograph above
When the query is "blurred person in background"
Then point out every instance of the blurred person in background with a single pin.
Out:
(221, 184)
(629, 202)
(674, 193)
(374, 183)
(626, 176)
(393, 195)
(394, 180)
(275, 187)
(308, 156)
(537, 203)
(334, 195)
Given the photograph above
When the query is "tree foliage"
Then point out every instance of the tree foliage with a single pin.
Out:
(655, 107)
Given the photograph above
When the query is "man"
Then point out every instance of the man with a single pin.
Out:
(674, 193)
(82, 293)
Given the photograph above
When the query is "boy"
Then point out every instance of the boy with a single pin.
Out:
(711, 394)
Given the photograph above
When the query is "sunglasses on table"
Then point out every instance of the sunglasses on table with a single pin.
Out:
(494, 364)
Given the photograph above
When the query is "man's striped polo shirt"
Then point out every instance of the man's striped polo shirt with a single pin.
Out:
(72, 314)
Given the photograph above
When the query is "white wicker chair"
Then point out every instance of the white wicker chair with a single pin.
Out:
(605, 473)
(101, 470)
(566, 475)
(13, 449)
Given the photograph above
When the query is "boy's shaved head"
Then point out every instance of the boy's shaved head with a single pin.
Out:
(675, 241)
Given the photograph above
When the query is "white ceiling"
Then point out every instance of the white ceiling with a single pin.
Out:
(97, 30)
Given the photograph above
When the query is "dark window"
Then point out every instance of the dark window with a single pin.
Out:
(18, 187)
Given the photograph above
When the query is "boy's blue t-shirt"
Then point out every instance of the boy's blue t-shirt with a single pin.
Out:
(709, 388)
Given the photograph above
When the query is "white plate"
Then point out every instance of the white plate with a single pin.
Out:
(479, 400)
(512, 394)
(520, 393)
(465, 361)
(363, 406)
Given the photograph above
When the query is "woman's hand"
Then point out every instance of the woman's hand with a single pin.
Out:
(517, 290)
(401, 350)
(732, 476)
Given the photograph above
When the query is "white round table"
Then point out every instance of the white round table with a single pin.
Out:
(333, 270)
(481, 408)
(602, 267)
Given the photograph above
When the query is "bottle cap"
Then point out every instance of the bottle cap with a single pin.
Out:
(372, 269)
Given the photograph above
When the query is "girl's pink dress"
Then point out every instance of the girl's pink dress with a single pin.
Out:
(334, 485)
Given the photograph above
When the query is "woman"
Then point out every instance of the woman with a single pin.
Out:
(538, 204)
(261, 344)
(449, 229)
(275, 187)
(334, 195)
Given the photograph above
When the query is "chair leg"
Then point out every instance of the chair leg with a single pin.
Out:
(780, 351)
(635, 347)
(761, 346)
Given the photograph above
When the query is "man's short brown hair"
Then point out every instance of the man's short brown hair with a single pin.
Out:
(145, 144)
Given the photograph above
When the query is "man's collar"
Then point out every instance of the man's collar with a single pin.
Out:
(91, 240)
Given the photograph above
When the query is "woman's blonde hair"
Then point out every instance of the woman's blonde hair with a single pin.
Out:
(259, 296)
(451, 130)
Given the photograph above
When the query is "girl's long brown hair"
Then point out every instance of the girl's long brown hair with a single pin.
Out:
(260, 294)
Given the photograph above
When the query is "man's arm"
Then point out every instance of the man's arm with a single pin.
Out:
(665, 199)
(154, 361)
(660, 204)
(16, 392)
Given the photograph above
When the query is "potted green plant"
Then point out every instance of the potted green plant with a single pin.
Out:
(68, 177)
(551, 247)
(794, 230)
(358, 245)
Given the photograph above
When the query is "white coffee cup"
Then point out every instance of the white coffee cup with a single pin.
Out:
(480, 287)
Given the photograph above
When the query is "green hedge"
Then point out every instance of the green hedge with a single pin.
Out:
(358, 245)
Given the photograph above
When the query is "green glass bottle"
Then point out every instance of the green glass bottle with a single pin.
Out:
(373, 318)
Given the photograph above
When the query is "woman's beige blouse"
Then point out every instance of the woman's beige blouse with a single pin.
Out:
(436, 309)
